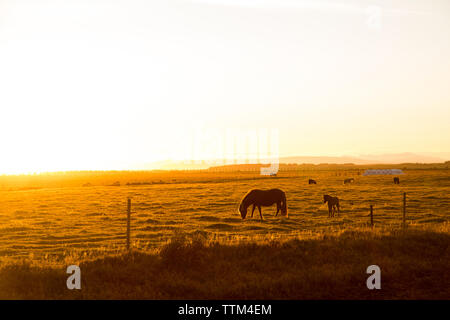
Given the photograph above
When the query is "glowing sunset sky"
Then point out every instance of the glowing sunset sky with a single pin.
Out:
(110, 84)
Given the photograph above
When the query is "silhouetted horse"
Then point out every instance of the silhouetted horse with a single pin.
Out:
(333, 203)
(311, 181)
(349, 180)
(264, 198)
(396, 180)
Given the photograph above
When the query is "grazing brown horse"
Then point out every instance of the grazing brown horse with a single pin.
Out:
(396, 180)
(333, 203)
(311, 181)
(349, 180)
(265, 198)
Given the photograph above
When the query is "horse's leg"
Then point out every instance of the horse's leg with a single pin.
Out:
(254, 206)
(278, 208)
(260, 214)
(329, 210)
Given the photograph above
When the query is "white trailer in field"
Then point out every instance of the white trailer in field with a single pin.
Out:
(371, 172)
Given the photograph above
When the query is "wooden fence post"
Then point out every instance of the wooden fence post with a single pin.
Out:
(371, 215)
(404, 209)
(128, 223)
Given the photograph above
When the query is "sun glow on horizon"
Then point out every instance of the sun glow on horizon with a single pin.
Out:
(101, 85)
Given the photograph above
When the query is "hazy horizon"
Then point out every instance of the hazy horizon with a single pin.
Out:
(200, 164)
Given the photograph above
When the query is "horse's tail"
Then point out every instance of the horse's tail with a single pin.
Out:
(284, 206)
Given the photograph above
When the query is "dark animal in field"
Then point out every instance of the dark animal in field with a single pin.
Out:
(396, 180)
(349, 180)
(311, 181)
(273, 174)
(333, 204)
(265, 198)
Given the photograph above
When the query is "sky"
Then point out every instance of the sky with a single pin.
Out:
(101, 85)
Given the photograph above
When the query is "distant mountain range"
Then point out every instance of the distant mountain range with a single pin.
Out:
(407, 157)
(396, 158)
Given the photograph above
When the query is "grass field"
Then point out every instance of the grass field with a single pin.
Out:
(53, 221)
(414, 265)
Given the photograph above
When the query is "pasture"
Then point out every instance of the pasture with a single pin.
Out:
(61, 217)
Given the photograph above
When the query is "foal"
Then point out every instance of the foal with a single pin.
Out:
(333, 203)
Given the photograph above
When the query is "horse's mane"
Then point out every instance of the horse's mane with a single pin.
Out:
(246, 195)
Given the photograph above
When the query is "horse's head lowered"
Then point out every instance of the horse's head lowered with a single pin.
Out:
(243, 210)
(325, 198)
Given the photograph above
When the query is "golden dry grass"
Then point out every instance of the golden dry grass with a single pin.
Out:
(49, 222)
(414, 265)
